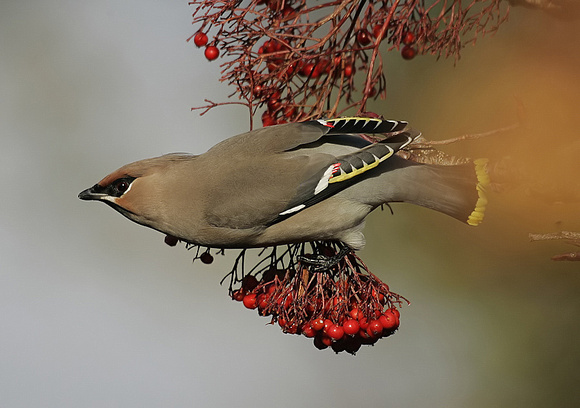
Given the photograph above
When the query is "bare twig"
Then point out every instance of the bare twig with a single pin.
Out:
(572, 238)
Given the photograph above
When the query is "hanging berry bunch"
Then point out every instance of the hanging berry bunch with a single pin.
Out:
(342, 306)
(297, 58)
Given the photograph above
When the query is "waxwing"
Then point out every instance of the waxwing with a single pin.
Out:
(289, 183)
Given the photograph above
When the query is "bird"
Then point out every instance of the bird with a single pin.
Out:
(315, 180)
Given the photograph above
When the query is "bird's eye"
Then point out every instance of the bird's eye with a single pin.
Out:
(121, 185)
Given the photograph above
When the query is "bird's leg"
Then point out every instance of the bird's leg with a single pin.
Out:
(321, 263)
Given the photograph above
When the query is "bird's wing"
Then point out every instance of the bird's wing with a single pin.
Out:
(289, 136)
(270, 174)
(346, 169)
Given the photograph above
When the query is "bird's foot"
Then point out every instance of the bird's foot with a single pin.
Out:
(322, 263)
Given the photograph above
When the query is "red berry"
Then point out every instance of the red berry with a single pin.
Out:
(274, 104)
(289, 111)
(351, 327)
(355, 313)
(291, 329)
(287, 73)
(363, 334)
(375, 327)
(257, 91)
(317, 324)
(364, 324)
(408, 38)
(274, 5)
(307, 70)
(268, 47)
(389, 320)
(326, 339)
(263, 301)
(348, 70)
(268, 119)
(278, 46)
(335, 332)
(322, 67)
(271, 288)
(239, 295)
(367, 338)
(251, 301)
(211, 53)
(408, 52)
(272, 46)
(289, 299)
(272, 66)
(171, 240)
(206, 258)
(308, 331)
(395, 311)
(200, 39)
(310, 308)
(337, 300)
(377, 295)
(282, 322)
(363, 37)
(287, 11)
(377, 30)
(327, 324)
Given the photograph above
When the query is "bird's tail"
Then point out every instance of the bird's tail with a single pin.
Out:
(457, 190)
(483, 182)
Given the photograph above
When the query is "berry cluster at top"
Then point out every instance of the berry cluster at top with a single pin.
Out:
(297, 58)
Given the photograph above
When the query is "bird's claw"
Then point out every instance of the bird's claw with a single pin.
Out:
(321, 263)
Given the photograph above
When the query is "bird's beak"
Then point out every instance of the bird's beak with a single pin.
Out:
(94, 193)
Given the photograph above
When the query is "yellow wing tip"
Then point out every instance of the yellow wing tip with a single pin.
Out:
(483, 181)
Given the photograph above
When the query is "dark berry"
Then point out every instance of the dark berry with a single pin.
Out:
(363, 37)
(408, 52)
(206, 258)
(171, 240)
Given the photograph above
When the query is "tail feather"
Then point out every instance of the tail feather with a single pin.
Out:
(458, 191)
(483, 181)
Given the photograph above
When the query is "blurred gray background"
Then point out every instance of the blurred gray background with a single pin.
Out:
(96, 311)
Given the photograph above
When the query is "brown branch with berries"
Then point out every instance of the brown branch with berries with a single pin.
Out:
(298, 58)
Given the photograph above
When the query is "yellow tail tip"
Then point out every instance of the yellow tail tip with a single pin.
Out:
(483, 181)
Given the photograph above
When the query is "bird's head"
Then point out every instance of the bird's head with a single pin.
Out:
(139, 190)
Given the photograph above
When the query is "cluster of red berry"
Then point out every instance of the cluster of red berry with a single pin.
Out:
(279, 67)
(211, 51)
(342, 309)
(307, 52)
(339, 303)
